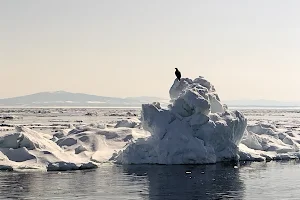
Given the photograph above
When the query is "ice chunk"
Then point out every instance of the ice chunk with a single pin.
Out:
(62, 166)
(129, 123)
(28, 149)
(198, 96)
(187, 132)
(89, 165)
(247, 154)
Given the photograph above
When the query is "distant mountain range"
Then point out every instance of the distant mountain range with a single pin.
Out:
(261, 103)
(62, 98)
(68, 99)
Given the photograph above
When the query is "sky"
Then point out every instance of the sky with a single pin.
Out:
(249, 49)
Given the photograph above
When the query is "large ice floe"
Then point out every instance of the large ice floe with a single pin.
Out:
(82, 147)
(196, 128)
(28, 149)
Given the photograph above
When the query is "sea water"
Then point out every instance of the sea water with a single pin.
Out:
(253, 180)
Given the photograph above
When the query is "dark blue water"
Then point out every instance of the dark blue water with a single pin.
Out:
(274, 180)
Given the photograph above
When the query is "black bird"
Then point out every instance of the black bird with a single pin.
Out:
(178, 74)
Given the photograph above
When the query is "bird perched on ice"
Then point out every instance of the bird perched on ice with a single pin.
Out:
(178, 74)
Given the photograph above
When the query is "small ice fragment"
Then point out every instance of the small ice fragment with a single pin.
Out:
(235, 167)
(188, 172)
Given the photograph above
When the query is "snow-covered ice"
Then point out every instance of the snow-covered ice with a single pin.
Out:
(81, 147)
(28, 149)
(196, 128)
(129, 123)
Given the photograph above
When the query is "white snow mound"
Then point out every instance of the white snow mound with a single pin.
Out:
(28, 149)
(195, 129)
(263, 141)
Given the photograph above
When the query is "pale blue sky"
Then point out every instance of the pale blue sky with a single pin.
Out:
(246, 48)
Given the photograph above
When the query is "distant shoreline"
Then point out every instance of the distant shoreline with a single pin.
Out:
(231, 107)
(104, 107)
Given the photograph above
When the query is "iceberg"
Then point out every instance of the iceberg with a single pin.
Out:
(196, 128)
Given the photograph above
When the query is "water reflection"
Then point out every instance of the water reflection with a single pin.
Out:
(107, 182)
(219, 181)
(14, 183)
(40, 185)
